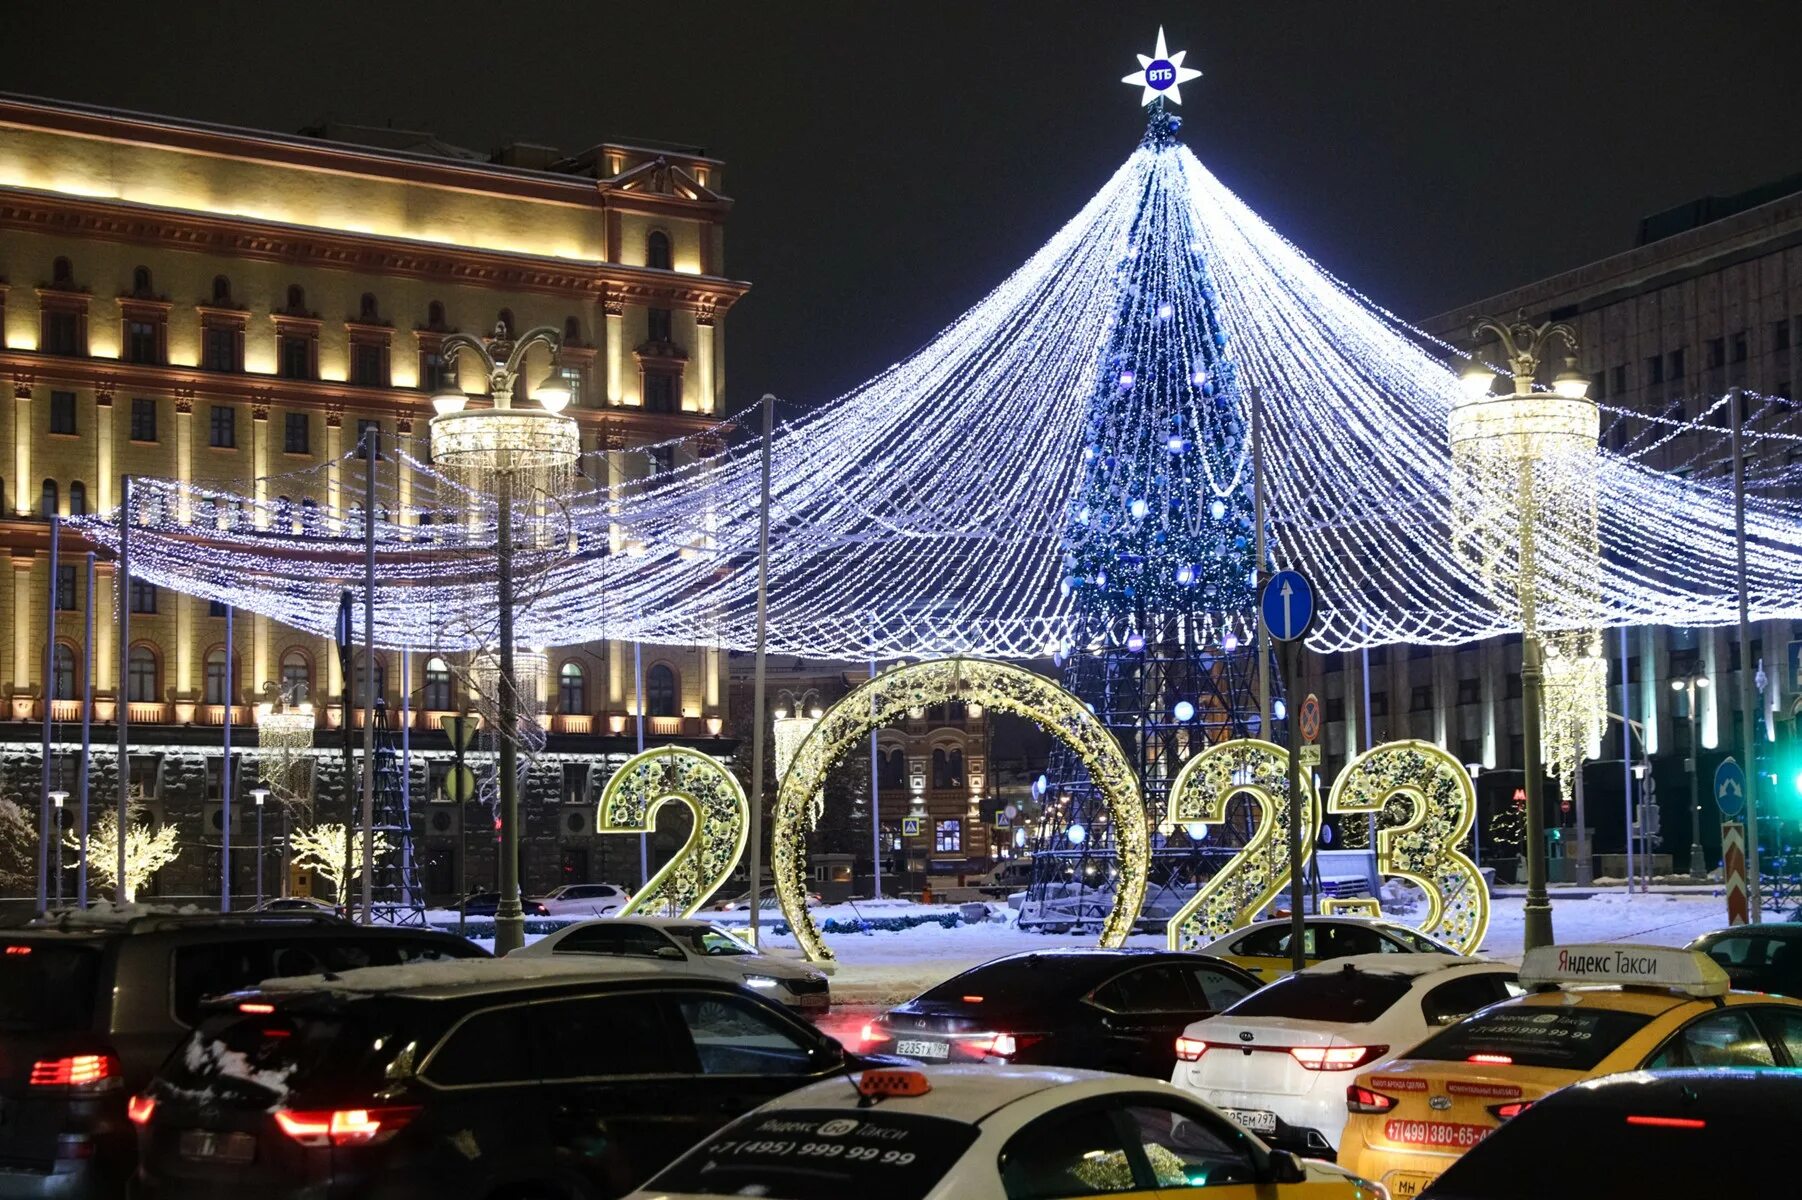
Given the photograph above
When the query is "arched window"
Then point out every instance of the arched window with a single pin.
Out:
(297, 676)
(505, 321)
(297, 299)
(434, 315)
(215, 676)
(140, 281)
(656, 250)
(78, 499)
(660, 691)
(956, 758)
(366, 310)
(62, 684)
(658, 325)
(140, 676)
(283, 521)
(572, 332)
(941, 768)
(222, 290)
(572, 689)
(47, 500)
(437, 685)
(309, 516)
(62, 274)
(891, 770)
(359, 692)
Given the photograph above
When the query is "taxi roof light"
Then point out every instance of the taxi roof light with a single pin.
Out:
(1686, 972)
(893, 1081)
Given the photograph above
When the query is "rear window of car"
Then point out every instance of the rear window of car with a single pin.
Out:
(1349, 996)
(46, 987)
(216, 967)
(1024, 979)
(1567, 1038)
(263, 1060)
(822, 1154)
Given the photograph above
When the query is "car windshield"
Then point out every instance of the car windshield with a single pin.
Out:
(708, 939)
(1348, 996)
(821, 1154)
(1535, 1035)
(47, 987)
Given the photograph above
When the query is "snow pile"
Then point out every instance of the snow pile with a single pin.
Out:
(205, 1056)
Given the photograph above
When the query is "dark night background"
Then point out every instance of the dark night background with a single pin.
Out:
(892, 162)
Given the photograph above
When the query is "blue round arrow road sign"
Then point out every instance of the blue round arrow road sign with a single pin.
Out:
(1730, 789)
(1287, 606)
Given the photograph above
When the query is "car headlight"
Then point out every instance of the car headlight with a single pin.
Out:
(762, 981)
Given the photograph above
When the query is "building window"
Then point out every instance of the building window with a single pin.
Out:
(948, 837)
(296, 430)
(219, 348)
(222, 290)
(222, 423)
(141, 342)
(1470, 691)
(658, 324)
(295, 355)
(62, 274)
(947, 768)
(1379, 704)
(372, 429)
(140, 282)
(1335, 708)
(572, 689)
(1420, 699)
(359, 690)
(660, 392)
(143, 420)
(1780, 334)
(215, 676)
(143, 596)
(1739, 346)
(62, 412)
(1676, 357)
(65, 588)
(62, 332)
(1717, 352)
(47, 505)
(575, 378)
(309, 515)
(1620, 379)
(656, 250)
(660, 691)
(437, 685)
(1655, 369)
(663, 459)
(297, 676)
(369, 364)
(367, 311)
(140, 676)
(297, 300)
(62, 673)
(434, 367)
(891, 768)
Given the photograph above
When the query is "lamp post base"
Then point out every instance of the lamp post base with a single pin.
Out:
(1538, 928)
(1698, 863)
(509, 930)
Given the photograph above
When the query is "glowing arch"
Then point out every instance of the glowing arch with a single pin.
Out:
(646, 782)
(1000, 687)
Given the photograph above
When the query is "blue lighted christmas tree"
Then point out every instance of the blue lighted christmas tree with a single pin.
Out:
(1159, 553)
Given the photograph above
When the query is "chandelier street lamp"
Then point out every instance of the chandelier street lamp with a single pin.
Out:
(56, 842)
(511, 453)
(1520, 462)
(1698, 865)
(259, 795)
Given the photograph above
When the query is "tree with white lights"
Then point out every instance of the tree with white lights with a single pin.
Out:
(148, 849)
(321, 850)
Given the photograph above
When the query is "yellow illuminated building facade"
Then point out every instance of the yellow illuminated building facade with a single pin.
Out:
(212, 304)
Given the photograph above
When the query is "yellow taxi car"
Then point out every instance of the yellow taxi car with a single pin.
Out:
(1590, 1011)
(1263, 946)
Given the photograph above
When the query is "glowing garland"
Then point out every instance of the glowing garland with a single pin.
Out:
(646, 782)
(1008, 689)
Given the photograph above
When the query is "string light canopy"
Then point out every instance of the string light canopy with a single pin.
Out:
(928, 510)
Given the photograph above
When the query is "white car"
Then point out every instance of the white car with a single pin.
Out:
(699, 945)
(1279, 1060)
(990, 1133)
(585, 900)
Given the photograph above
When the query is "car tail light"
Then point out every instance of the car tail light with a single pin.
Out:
(1336, 1058)
(1002, 1045)
(872, 1032)
(1363, 1100)
(256, 1008)
(1190, 1049)
(140, 1109)
(17, 951)
(1669, 1122)
(344, 1127)
(92, 1072)
(1507, 1112)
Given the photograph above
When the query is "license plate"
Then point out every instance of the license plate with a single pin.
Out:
(1258, 1120)
(218, 1147)
(915, 1048)
(1407, 1185)
(816, 1000)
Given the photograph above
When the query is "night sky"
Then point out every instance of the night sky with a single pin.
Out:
(892, 162)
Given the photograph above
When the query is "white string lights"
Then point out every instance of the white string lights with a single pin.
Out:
(927, 511)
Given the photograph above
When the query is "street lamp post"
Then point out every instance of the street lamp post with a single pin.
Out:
(259, 795)
(1517, 432)
(1698, 865)
(1476, 821)
(497, 446)
(56, 841)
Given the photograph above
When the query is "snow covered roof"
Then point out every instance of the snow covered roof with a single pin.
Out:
(479, 974)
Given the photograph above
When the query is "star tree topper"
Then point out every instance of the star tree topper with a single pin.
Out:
(1162, 75)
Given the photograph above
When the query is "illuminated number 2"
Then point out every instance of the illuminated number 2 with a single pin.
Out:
(648, 781)
(1260, 871)
(1423, 848)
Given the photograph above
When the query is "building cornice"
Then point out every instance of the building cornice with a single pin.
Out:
(30, 210)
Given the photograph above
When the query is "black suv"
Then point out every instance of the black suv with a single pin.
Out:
(89, 1008)
(444, 1081)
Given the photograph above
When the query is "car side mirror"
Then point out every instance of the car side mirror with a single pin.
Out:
(1283, 1167)
(670, 952)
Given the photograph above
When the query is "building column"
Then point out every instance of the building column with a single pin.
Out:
(1489, 669)
(104, 487)
(1713, 702)
(616, 349)
(24, 494)
(184, 457)
(184, 647)
(403, 437)
(106, 666)
(1649, 691)
(259, 449)
(706, 399)
(24, 626)
(334, 471)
